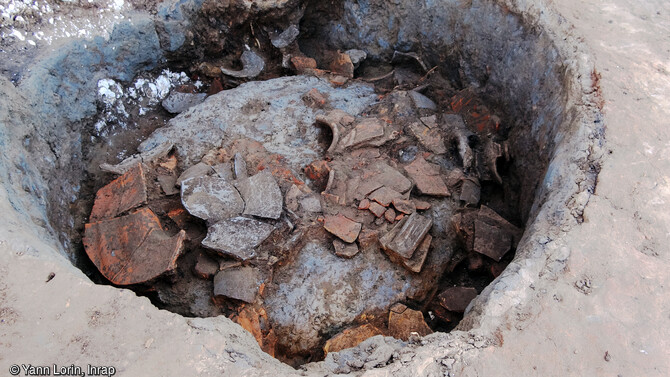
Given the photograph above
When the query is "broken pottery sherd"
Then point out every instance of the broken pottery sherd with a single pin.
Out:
(341, 226)
(122, 194)
(403, 321)
(237, 237)
(427, 177)
(252, 63)
(345, 250)
(406, 235)
(240, 283)
(132, 249)
(210, 198)
(350, 338)
(457, 299)
(261, 195)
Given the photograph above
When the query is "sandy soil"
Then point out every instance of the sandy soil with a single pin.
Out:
(607, 314)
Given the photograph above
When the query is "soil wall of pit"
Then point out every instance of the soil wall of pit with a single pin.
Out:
(517, 53)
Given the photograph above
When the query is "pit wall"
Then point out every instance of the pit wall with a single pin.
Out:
(531, 63)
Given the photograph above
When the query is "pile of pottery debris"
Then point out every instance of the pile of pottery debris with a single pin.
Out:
(403, 179)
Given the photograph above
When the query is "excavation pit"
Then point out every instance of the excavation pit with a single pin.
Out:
(446, 67)
(311, 237)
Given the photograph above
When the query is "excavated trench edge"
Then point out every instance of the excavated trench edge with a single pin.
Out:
(558, 203)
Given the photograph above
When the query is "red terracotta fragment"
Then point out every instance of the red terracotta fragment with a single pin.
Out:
(132, 249)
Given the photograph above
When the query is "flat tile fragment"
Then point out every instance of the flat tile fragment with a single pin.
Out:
(132, 249)
(262, 196)
(415, 264)
(406, 235)
(122, 194)
(343, 227)
(237, 237)
(211, 198)
(240, 283)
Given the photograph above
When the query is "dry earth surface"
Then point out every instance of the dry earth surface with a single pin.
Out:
(606, 314)
(622, 246)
